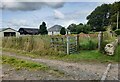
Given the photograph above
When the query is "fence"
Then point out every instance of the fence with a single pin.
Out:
(66, 44)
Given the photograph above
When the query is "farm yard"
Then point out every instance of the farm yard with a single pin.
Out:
(60, 41)
(87, 61)
(37, 46)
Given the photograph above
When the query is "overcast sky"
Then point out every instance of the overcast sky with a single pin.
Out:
(32, 14)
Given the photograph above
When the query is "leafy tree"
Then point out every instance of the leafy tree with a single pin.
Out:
(72, 28)
(79, 28)
(83, 28)
(81, 24)
(117, 31)
(76, 29)
(43, 29)
(86, 29)
(99, 17)
(63, 31)
(115, 7)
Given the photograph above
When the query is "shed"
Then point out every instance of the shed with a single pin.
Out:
(6, 32)
(28, 31)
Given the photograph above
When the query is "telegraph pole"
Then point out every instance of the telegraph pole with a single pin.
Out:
(117, 19)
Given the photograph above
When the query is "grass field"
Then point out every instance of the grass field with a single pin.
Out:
(83, 55)
(39, 46)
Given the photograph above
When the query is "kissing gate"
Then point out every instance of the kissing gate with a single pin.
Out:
(67, 44)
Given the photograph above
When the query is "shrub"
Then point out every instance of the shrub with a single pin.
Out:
(117, 31)
(63, 31)
(88, 45)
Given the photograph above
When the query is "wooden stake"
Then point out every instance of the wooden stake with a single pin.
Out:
(67, 44)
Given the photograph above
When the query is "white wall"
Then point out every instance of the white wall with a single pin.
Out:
(1, 34)
(9, 30)
(54, 33)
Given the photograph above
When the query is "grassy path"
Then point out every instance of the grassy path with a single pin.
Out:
(78, 71)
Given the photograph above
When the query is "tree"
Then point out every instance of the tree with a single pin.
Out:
(43, 29)
(99, 17)
(115, 7)
(72, 28)
(83, 28)
(86, 29)
(79, 28)
(76, 29)
(63, 31)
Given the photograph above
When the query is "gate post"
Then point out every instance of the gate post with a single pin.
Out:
(67, 44)
(100, 41)
(77, 42)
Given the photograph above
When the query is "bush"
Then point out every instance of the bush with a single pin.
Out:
(117, 31)
(63, 31)
(89, 45)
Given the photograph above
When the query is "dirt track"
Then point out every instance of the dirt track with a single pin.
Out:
(76, 71)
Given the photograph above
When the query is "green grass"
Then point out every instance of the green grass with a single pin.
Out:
(91, 56)
(39, 46)
(19, 63)
(29, 65)
(83, 55)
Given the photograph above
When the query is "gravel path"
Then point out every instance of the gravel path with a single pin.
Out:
(76, 71)
(10, 73)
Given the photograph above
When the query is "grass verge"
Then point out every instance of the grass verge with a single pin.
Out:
(84, 55)
(19, 63)
(29, 65)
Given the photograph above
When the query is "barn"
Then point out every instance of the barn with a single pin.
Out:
(6, 32)
(28, 31)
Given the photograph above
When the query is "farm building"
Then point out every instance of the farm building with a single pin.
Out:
(28, 31)
(55, 30)
(5, 32)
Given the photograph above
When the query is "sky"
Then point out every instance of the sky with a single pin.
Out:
(32, 14)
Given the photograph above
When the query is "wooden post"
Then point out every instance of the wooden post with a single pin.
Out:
(118, 20)
(68, 45)
(77, 42)
(100, 40)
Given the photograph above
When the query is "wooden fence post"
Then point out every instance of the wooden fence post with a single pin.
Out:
(100, 40)
(67, 44)
(77, 42)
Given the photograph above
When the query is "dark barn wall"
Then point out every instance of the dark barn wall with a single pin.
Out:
(9, 34)
(25, 31)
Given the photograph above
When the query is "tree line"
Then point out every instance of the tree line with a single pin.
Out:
(101, 18)
(104, 15)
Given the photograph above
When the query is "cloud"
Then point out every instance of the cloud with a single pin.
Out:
(68, 22)
(15, 24)
(58, 14)
(29, 6)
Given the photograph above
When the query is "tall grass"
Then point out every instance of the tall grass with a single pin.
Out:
(88, 43)
(39, 45)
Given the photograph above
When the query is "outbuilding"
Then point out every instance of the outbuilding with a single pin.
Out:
(55, 30)
(6, 32)
(28, 31)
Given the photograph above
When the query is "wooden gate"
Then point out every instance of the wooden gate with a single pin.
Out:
(66, 44)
